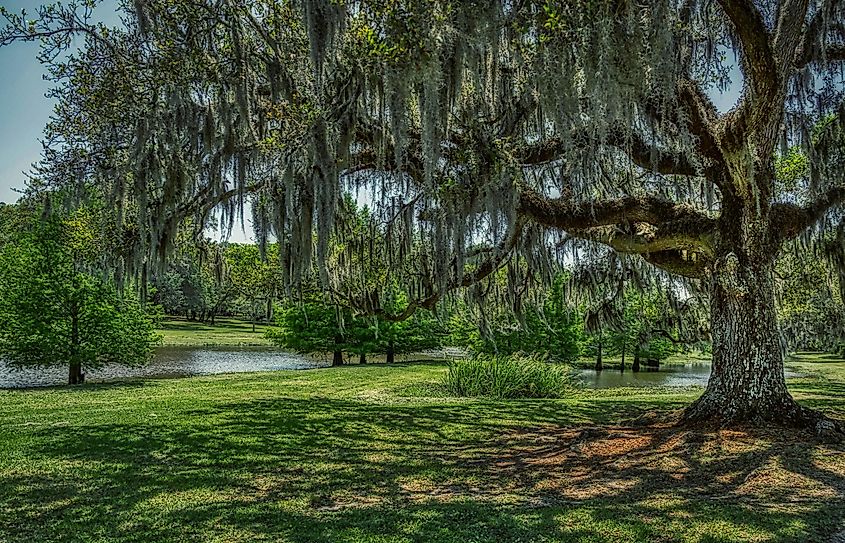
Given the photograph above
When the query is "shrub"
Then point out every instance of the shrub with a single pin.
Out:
(507, 377)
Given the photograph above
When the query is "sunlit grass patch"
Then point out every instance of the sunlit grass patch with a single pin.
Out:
(225, 332)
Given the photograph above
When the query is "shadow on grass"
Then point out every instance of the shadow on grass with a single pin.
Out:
(325, 469)
(128, 383)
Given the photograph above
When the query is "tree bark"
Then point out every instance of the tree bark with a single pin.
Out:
(747, 383)
(362, 358)
(635, 367)
(75, 374)
(337, 358)
(391, 352)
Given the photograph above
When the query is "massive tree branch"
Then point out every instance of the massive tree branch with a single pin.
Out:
(641, 238)
(679, 262)
(565, 214)
(750, 29)
(638, 150)
(701, 118)
(675, 237)
(790, 220)
(789, 32)
(761, 109)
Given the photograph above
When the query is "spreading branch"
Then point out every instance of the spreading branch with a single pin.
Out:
(565, 214)
(790, 220)
(750, 29)
(642, 238)
(638, 150)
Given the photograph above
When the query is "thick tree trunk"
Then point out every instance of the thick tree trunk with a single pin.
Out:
(75, 374)
(635, 367)
(747, 384)
(337, 358)
(362, 358)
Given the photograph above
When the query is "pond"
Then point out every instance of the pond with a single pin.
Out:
(174, 362)
(675, 375)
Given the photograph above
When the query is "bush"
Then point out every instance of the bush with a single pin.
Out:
(507, 377)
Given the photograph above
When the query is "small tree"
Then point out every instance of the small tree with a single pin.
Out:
(313, 327)
(56, 311)
(550, 327)
(419, 332)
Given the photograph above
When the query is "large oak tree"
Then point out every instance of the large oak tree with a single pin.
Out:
(486, 131)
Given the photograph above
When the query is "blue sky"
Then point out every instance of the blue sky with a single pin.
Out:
(24, 110)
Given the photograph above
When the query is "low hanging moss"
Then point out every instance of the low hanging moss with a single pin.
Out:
(508, 377)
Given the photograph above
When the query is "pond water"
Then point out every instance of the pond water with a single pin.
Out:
(667, 375)
(174, 362)
(188, 361)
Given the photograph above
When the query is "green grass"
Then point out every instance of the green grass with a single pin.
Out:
(225, 332)
(363, 454)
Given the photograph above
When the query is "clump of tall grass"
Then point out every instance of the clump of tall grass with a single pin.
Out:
(514, 376)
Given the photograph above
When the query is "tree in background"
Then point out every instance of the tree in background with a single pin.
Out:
(810, 308)
(651, 328)
(255, 279)
(319, 327)
(310, 327)
(195, 281)
(552, 327)
(57, 309)
(420, 332)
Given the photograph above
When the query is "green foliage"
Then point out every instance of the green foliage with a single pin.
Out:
(507, 377)
(791, 168)
(308, 328)
(206, 278)
(554, 330)
(810, 309)
(651, 328)
(57, 309)
(321, 327)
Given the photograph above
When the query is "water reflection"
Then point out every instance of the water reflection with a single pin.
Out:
(693, 374)
(673, 376)
(174, 362)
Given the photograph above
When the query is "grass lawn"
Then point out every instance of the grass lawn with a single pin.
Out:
(366, 454)
(225, 332)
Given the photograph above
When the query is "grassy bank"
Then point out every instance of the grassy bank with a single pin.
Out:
(225, 332)
(364, 454)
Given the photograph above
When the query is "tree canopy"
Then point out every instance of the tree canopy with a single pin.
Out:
(57, 309)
